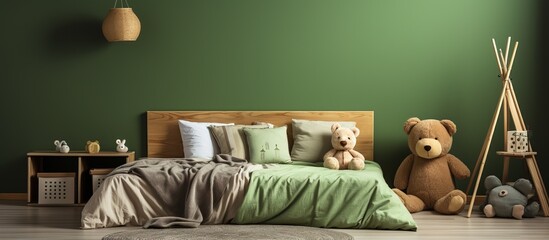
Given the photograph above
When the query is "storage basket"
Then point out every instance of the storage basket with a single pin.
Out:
(56, 188)
(98, 175)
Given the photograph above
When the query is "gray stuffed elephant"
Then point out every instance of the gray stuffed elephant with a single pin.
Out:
(508, 201)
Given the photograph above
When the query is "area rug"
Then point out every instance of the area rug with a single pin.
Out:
(232, 232)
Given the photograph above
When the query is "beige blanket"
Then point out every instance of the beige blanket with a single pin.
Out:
(170, 192)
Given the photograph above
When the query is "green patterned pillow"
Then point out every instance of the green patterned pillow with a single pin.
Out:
(268, 145)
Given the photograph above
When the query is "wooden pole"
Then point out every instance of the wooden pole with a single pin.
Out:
(512, 103)
(486, 139)
(507, 49)
(512, 61)
(539, 186)
(504, 70)
(497, 57)
(487, 148)
(505, 111)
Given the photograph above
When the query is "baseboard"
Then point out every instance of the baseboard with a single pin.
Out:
(478, 199)
(13, 196)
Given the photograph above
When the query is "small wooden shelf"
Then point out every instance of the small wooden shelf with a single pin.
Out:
(77, 162)
(516, 154)
(56, 205)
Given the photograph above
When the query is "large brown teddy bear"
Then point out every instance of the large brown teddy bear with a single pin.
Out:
(424, 179)
(342, 155)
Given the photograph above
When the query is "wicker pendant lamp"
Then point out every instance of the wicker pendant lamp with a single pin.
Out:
(121, 24)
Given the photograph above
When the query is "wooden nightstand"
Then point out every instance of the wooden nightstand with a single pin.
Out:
(78, 162)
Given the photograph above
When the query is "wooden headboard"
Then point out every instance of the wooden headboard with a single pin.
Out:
(164, 139)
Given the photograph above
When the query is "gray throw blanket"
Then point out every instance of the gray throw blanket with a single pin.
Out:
(191, 188)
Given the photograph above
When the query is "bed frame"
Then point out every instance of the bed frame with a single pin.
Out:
(164, 139)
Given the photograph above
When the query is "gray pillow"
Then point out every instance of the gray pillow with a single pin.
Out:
(312, 139)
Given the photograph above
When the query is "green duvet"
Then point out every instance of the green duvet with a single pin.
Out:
(311, 195)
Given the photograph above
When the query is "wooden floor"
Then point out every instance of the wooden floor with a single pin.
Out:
(19, 221)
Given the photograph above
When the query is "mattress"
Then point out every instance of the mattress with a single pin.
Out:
(298, 194)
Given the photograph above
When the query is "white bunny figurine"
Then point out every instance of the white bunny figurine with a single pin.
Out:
(121, 146)
(61, 146)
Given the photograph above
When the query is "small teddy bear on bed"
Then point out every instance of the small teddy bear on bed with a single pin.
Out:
(342, 155)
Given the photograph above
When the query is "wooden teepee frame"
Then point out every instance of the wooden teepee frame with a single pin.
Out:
(508, 101)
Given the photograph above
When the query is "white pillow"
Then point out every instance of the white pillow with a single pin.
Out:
(197, 139)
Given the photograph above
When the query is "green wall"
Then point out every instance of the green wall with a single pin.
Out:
(424, 58)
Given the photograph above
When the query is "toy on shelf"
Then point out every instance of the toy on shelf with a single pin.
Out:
(121, 146)
(517, 141)
(93, 146)
(61, 146)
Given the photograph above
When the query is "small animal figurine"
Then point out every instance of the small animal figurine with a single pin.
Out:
(61, 146)
(92, 146)
(121, 146)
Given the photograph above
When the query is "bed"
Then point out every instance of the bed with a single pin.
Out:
(170, 189)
